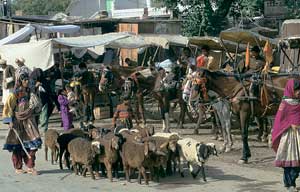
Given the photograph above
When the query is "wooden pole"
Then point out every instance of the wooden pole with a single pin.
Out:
(144, 59)
(61, 66)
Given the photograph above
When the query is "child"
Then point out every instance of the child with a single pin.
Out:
(66, 116)
(73, 103)
(123, 115)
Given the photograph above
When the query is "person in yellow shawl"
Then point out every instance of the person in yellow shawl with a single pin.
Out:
(20, 112)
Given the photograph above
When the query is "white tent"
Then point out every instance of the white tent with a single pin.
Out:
(39, 54)
(36, 54)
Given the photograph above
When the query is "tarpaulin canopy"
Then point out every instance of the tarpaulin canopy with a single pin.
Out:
(245, 36)
(67, 29)
(166, 40)
(215, 43)
(90, 41)
(18, 36)
(36, 54)
(130, 42)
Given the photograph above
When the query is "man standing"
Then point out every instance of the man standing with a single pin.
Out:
(8, 79)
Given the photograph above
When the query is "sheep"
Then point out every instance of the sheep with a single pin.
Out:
(51, 136)
(168, 143)
(133, 156)
(196, 154)
(83, 152)
(63, 141)
(111, 144)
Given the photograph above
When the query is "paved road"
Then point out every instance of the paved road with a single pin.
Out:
(222, 176)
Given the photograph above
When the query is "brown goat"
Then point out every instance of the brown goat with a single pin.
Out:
(83, 152)
(51, 136)
(134, 155)
(111, 144)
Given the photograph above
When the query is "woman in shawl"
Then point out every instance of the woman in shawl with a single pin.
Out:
(286, 134)
(20, 111)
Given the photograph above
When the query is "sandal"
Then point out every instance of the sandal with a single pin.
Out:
(20, 171)
(32, 171)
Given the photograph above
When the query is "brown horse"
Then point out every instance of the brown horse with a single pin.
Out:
(235, 89)
(156, 85)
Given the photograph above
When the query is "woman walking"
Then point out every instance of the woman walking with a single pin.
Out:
(20, 111)
(286, 134)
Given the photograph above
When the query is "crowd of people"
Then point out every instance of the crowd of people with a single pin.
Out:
(29, 98)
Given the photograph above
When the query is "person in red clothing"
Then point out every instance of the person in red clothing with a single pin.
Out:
(202, 60)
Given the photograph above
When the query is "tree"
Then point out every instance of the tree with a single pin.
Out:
(293, 9)
(210, 17)
(40, 7)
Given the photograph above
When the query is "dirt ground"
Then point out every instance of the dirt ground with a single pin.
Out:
(223, 172)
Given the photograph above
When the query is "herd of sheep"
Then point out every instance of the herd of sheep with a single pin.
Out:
(101, 150)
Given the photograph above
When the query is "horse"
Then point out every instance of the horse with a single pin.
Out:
(235, 88)
(160, 87)
(221, 109)
(112, 80)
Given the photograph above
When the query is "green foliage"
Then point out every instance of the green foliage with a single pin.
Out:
(293, 9)
(210, 17)
(40, 7)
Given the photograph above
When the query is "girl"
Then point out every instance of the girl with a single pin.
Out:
(66, 115)
(286, 134)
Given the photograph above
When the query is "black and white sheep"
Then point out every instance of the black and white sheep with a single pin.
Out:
(196, 154)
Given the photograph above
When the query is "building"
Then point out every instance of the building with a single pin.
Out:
(275, 12)
(114, 8)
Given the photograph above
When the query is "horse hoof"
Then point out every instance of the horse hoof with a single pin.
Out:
(220, 139)
(228, 149)
(242, 162)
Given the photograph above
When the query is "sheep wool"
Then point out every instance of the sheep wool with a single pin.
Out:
(189, 150)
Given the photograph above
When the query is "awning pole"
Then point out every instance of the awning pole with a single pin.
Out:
(61, 66)
(223, 45)
(155, 54)
(284, 52)
(144, 59)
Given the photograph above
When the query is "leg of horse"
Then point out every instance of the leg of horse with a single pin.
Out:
(91, 104)
(266, 130)
(218, 107)
(260, 122)
(244, 118)
(227, 121)
(199, 121)
(140, 107)
(182, 114)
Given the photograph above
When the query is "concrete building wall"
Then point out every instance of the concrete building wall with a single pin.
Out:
(85, 8)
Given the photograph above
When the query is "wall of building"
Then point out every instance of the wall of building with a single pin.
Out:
(131, 4)
(86, 8)
(275, 8)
